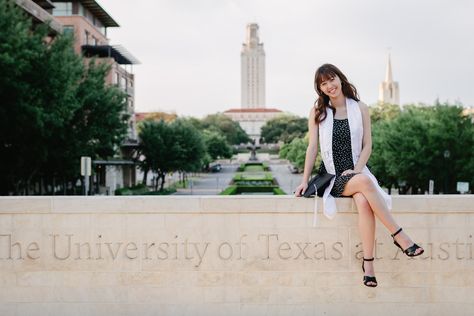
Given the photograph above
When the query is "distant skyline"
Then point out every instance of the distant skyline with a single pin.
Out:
(190, 50)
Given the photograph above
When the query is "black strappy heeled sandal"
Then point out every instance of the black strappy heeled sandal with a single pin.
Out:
(367, 278)
(410, 251)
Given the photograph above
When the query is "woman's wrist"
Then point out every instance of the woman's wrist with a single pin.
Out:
(358, 169)
(305, 178)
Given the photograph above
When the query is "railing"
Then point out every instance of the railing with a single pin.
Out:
(40, 14)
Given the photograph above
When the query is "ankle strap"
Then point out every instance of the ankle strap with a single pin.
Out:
(371, 259)
(396, 233)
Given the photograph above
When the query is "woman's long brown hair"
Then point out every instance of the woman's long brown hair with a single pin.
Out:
(323, 73)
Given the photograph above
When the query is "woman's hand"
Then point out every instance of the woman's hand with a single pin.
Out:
(299, 191)
(349, 171)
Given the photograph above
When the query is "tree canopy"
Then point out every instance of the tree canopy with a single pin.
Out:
(54, 108)
(167, 147)
(424, 143)
(216, 145)
(284, 128)
(224, 125)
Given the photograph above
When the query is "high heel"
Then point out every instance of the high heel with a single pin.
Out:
(367, 278)
(410, 251)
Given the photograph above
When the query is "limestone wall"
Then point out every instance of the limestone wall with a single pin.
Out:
(227, 255)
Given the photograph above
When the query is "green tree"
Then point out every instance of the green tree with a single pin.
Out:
(404, 151)
(216, 145)
(295, 152)
(54, 109)
(378, 161)
(423, 143)
(101, 121)
(384, 112)
(192, 149)
(167, 147)
(21, 119)
(222, 124)
(284, 128)
(197, 123)
(380, 114)
(160, 149)
(452, 140)
(97, 125)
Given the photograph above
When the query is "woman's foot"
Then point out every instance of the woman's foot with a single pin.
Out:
(368, 269)
(404, 242)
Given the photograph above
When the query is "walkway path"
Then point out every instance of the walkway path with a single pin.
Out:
(214, 183)
(287, 180)
(210, 183)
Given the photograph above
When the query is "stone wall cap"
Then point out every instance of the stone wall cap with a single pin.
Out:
(220, 204)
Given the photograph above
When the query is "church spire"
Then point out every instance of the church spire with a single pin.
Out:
(389, 91)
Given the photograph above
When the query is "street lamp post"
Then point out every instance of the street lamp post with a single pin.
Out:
(446, 154)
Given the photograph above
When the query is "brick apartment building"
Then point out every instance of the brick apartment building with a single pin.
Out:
(88, 22)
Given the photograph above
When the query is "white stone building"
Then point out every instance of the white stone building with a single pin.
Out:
(389, 91)
(252, 120)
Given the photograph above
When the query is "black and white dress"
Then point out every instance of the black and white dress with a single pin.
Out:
(342, 155)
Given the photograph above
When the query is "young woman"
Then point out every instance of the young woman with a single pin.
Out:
(342, 124)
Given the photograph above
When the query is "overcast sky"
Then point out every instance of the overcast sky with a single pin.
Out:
(190, 49)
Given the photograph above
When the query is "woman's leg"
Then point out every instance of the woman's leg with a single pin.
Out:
(366, 224)
(361, 183)
(367, 231)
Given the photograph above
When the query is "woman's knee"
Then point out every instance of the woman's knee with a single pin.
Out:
(363, 182)
(361, 202)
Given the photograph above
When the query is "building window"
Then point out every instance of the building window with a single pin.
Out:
(68, 30)
(94, 41)
(62, 9)
(81, 9)
(75, 8)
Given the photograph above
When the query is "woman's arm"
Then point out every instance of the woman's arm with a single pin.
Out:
(311, 152)
(366, 140)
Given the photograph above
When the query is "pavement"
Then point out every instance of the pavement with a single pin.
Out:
(214, 183)
(210, 183)
(288, 181)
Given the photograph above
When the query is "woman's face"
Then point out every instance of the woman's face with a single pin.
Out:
(331, 87)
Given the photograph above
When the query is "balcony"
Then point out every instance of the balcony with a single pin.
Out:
(130, 91)
(117, 52)
(40, 15)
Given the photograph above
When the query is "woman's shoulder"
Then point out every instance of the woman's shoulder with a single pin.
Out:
(312, 112)
(361, 104)
(363, 107)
